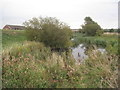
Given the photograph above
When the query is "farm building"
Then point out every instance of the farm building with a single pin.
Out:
(13, 27)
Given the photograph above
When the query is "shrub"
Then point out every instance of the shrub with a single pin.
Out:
(99, 32)
(90, 28)
(50, 31)
(111, 30)
(33, 35)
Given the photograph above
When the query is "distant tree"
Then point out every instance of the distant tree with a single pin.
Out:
(111, 30)
(88, 20)
(99, 32)
(90, 27)
(118, 30)
(80, 30)
(50, 31)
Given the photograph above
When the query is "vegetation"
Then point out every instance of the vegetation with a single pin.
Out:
(10, 37)
(32, 48)
(32, 65)
(50, 31)
(91, 28)
(110, 42)
(99, 32)
(111, 30)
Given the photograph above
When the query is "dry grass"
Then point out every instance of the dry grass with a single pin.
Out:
(56, 71)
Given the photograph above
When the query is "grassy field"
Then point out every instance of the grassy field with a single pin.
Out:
(28, 64)
(10, 37)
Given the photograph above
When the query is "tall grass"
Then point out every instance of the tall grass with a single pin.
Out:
(32, 65)
(36, 49)
(101, 70)
(25, 67)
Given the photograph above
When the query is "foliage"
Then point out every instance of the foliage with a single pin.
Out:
(118, 30)
(111, 30)
(99, 32)
(28, 71)
(90, 28)
(33, 35)
(24, 72)
(50, 31)
(38, 50)
(32, 65)
(107, 41)
(113, 49)
(28, 67)
(101, 69)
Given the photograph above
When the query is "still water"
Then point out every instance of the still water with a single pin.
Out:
(79, 52)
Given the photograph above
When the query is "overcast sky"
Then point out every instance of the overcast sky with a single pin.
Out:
(72, 12)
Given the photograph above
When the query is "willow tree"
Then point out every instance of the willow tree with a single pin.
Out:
(50, 31)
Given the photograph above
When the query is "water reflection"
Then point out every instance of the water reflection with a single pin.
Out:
(79, 52)
(102, 50)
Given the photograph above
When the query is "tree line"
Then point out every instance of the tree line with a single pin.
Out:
(56, 34)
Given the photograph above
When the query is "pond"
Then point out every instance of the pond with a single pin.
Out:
(79, 52)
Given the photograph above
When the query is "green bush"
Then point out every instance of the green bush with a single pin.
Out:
(50, 31)
(99, 32)
(33, 35)
(111, 30)
(91, 28)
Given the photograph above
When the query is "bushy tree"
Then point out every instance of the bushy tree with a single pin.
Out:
(90, 27)
(50, 31)
(99, 32)
(111, 30)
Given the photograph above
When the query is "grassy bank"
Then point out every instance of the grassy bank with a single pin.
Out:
(110, 42)
(10, 37)
(32, 65)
